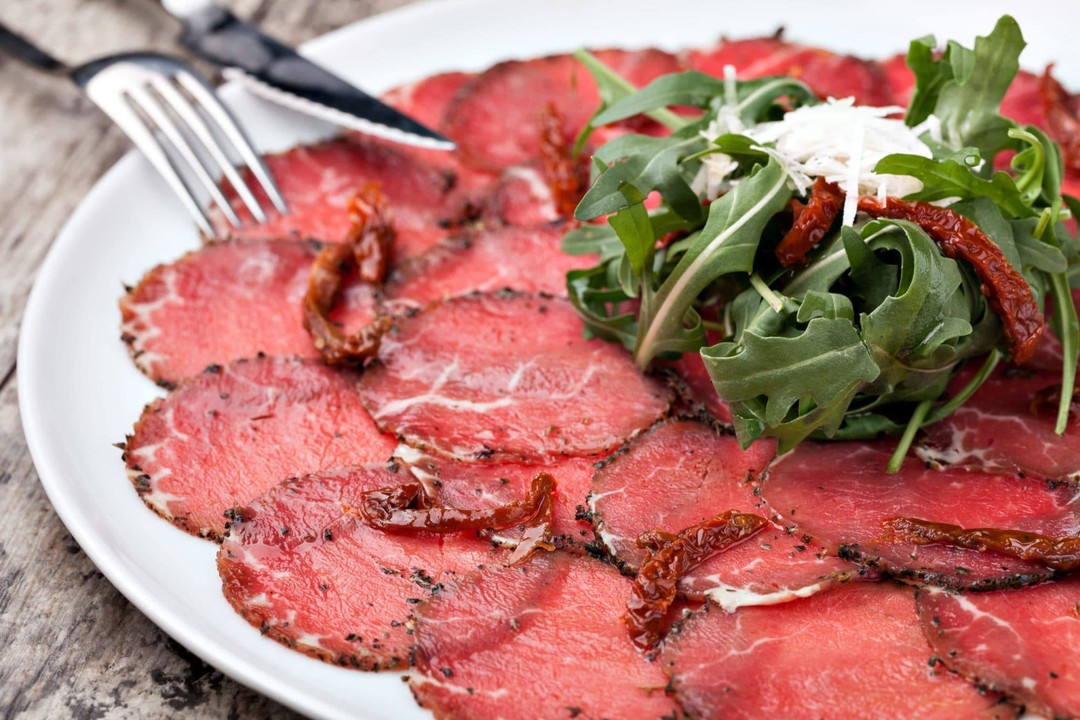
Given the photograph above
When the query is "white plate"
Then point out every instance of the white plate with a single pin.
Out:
(80, 392)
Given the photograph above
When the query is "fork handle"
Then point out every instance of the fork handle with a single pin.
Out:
(22, 49)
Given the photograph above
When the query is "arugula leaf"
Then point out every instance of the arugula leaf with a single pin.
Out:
(827, 305)
(635, 232)
(739, 147)
(911, 324)
(604, 310)
(931, 74)
(690, 88)
(757, 97)
(1040, 167)
(613, 88)
(655, 165)
(968, 102)
(828, 363)
(1035, 253)
(874, 279)
(591, 238)
(948, 178)
(727, 244)
(694, 89)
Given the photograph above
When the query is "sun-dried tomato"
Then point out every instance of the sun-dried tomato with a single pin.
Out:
(1063, 123)
(811, 222)
(366, 251)
(657, 581)
(408, 508)
(1061, 554)
(1009, 294)
(567, 175)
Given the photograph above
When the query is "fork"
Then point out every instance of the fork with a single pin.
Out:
(167, 110)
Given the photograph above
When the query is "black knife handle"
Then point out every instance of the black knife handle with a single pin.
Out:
(18, 47)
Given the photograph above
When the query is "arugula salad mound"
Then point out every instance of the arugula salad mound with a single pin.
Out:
(835, 265)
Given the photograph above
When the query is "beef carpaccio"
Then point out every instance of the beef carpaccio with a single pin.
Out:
(234, 431)
(320, 580)
(484, 388)
(507, 376)
(857, 649)
(228, 301)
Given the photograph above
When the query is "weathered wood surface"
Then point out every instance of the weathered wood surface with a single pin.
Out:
(70, 644)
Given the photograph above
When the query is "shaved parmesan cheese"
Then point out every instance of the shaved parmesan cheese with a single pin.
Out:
(843, 142)
(837, 140)
(711, 179)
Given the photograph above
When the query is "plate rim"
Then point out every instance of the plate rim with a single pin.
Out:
(232, 663)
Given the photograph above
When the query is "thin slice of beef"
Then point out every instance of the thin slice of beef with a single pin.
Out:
(840, 494)
(1008, 427)
(828, 74)
(682, 472)
(310, 575)
(528, 259)
(484, 484)
(1024, 643)
(227, 301)
(428, 99)
(522, 196)
(900, 78)
(497, 118)
(317, 181)
(542, 640)
(507, 376)
(695, 388)
(232, 432)
(855, 651)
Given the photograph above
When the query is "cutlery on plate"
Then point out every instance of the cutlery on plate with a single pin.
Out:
(173, 116)
(276, 72)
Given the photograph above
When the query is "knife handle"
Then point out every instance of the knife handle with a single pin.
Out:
(185, 9)
(18, 47)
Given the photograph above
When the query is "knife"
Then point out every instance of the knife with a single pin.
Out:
(276, 72)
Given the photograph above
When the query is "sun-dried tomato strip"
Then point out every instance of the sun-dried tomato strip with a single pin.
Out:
(657, 581)
(811, 222)
(366, 252)
(536, 534)
(960, 239)
(567, 176)
(408, 508)
(652, 540)
(1055, 553)
(1063, 124)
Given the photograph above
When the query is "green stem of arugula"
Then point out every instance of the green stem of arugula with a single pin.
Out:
(672, 292)
(1065, 309)
(1070, 332)
(906, 439)
(922, 416)
(775, 302)
(943, 411)
(661, 115)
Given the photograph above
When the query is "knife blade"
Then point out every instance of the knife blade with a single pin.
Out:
(276, 72)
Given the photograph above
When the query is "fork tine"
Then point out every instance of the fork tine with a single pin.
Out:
(194, 121)
(145, 101)
(135, 127)
(204, 96)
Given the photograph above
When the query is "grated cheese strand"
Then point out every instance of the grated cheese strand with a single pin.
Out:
(837, 140)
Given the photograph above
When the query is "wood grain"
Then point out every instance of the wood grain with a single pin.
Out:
(70, 644)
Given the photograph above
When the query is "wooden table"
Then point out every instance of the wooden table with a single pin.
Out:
(70, 644)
